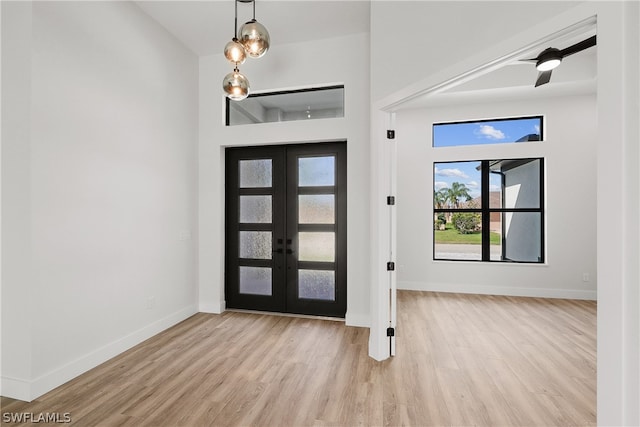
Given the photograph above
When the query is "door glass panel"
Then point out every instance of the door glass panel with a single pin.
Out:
(317, 284)
(255, 280)
(317, 246)
(316, 209)
(255, 244)
(255, 173)
(255, 209)
(316, 171)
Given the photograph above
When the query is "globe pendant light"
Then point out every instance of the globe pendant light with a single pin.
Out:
(254, 37)
(236, 85)
(234, 51)
(254, 41)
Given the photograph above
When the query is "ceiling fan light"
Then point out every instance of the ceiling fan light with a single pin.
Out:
(234, 52)
(549, 64)
(549, 59)
(236, 85)
(255, 38)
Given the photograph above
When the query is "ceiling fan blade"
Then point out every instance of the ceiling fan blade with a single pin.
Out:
(584, 44)
(543, 78)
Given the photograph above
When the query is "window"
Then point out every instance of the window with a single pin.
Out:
(302, 104)
(495, 131)
(489, 210)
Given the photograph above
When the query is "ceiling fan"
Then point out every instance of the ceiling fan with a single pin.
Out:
(551, 57)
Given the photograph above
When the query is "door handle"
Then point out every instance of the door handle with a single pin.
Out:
(289, 251)
(278, 251)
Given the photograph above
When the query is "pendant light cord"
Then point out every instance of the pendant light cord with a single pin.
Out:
(254, 10)
(235, 25)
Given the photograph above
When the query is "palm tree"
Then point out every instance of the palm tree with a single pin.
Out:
(457, 192)
(440, 198)
(439, 202)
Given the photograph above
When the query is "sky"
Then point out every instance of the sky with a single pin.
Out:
(463, 172)
(486, 132)
(476, 133)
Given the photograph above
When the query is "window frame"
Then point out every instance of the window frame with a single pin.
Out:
(485, 209)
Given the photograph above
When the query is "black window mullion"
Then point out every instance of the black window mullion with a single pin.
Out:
(541, 205)
(486, 218)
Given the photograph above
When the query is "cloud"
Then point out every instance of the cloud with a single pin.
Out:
(439, 185)
(495, 188)
(472, 184)
(537, 128)
(490, 132)
(451, 172)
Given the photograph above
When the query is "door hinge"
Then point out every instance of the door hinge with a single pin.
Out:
(391, 266)
(391, 134)
(391, 332)
(391, 200)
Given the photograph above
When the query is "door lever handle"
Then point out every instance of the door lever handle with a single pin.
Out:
(278, 251)
(289, 251)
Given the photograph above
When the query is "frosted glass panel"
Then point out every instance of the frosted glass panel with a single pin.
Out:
(317, 247)
(255, 209)
(316, 171)
(255, 244)
(317, 284)
(255, 280)
(255, 173)
(316, 209)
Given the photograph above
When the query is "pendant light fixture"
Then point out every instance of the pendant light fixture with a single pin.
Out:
(234, 51)
(254, 42)
(236, 85)
(255, 37)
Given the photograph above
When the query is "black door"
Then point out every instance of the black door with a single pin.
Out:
(286, 234)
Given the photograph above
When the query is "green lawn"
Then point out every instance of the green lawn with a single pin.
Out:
(451, 235)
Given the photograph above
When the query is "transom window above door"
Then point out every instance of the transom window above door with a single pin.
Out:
(283, 106)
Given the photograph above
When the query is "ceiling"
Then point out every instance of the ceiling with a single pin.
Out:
(515, 77)
(206, 26)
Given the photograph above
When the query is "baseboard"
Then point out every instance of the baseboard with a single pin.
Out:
(498, 290)
(24, 390)
(15, 388)
(214, 308)
(357, 320)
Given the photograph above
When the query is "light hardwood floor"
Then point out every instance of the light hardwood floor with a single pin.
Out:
(462, 360)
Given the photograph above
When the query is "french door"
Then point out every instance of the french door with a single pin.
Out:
(286, 236)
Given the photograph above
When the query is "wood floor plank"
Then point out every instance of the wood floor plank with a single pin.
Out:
(461, 360)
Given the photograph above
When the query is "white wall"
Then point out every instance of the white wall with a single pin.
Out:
(16, 201)
(570, 162)
(108, 236)
(315, 63)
